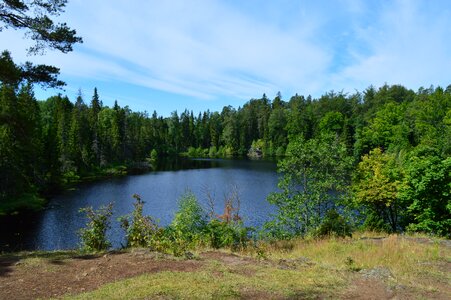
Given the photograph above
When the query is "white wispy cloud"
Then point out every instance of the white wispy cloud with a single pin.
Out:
(406, 44)
(198, 49)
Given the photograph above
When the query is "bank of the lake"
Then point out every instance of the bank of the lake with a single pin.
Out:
(35, 201)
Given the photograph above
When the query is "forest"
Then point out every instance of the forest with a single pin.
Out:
(388, 148)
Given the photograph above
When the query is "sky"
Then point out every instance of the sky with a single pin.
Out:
(207, 54)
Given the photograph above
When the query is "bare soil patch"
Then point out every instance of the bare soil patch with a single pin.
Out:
(37, 277)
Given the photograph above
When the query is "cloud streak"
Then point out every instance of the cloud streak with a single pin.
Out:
(405, 44)
(199, 49)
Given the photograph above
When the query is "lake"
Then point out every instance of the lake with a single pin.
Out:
(57, 226)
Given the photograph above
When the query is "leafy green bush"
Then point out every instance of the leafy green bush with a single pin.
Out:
(140, 230)
(192, 152)
(188, 225)
(190, 219)
(191, 228)
(212, 152)
(93, 236)
(373, 222)
(334, 224)
(220, 234)
(153, 155)
(277, 229)
(197, 152)
(115, 171)
(70, 177)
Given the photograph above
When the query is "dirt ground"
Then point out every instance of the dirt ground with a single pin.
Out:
(42, 278)
(46, 276)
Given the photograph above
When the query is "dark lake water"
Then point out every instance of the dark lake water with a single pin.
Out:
(57, 226)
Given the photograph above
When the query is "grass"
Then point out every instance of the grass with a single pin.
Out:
(297, 269)
(412, 262)
(219, 281)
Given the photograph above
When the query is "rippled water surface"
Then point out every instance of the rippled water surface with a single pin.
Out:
(57, 226)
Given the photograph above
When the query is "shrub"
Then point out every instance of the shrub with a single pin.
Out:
(374, 222)
(276, 229)
(190, 219)
(227, 230)
(192, 152)
(188, 224)
(219, 234)
(190, 227)
(212, 152)
(93, 236)
(70, 177)
(334, 224)
(153, 155)
(221, 152)
(140, 230)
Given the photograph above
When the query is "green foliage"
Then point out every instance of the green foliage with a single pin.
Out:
(35, 17)
(257, 149)
(276, 128)
(69, 178)
(13, 75)
(141, 231)
(375, 222)
(377, 185)
(21, 149)
(427, 192)
(334, 224)
(190, 220)
(190, 228)
(213, 152)
(226, 234)
(387, 130)
(280, 151)
(25, 202)
(93, 236)
(332, 122)
(115, 171)
(221, 152)
(429, 116)
(351, 264)
(315, 177)
(192, 152)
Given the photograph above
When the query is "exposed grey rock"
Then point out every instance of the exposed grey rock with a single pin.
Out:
(381, 273)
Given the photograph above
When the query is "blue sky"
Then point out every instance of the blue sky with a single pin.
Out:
(172, 55)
